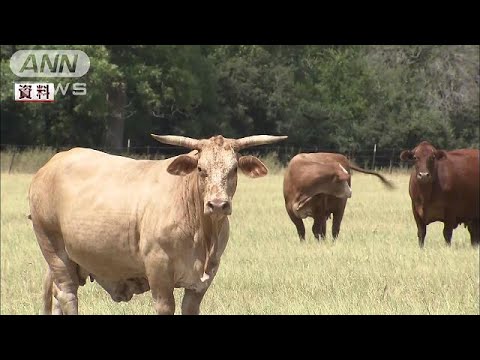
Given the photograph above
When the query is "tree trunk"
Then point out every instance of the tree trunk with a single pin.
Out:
(115, 126)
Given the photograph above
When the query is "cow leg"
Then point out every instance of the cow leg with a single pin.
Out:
(161, 281)
(50, 291)
(47, 293)
(448, 225)
(65, 285)
(447, 233)
(473, 229)
(319, 227)
(318, 206)
(57, 309)
(337, 220)
(421, 233)
(63, 274)
(421, 228)
(299, 224)
(192, 299)
(164, 300)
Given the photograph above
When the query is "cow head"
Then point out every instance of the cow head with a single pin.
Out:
(425, 157)
(342, 178)
(216, 165)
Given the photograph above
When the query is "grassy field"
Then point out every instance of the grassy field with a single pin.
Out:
(375, 266)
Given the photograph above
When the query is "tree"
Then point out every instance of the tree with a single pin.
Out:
(325, 97)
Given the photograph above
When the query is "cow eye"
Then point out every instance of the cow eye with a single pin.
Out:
(415, 158)
(199, 169)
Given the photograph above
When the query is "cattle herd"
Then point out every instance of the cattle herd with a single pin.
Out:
(139, 225)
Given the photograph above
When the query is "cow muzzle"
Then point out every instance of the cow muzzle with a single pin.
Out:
(347, 191)
(218, 207)
(342, 192)
(423, 176)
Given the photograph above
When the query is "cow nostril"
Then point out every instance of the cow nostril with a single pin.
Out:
(215, 205)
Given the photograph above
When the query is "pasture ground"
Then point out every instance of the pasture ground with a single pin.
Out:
(375, 266)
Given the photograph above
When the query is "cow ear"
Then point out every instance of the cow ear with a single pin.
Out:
(341, 174)
(440, 154)
(252, 167)
(406, 155)
(182, 165)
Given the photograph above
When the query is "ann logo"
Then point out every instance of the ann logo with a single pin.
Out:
(49, 63)
(57, 65)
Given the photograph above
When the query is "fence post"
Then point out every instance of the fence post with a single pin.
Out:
(11, 162)
(391, 161)
(128, 146)
(374, 153)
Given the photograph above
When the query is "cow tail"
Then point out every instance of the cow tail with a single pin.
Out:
(47, 293)
(388, 184)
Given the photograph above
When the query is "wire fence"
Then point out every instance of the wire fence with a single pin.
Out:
(25, 157)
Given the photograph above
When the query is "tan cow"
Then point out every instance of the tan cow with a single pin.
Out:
(138, 225)
(318, 185)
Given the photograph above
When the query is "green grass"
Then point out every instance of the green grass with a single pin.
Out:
(375, 266)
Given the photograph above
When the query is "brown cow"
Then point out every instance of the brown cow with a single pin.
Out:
(318, 185)
(444, 186)
(138, 225)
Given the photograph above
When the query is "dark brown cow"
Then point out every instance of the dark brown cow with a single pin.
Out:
(444, 186)
(318, 185)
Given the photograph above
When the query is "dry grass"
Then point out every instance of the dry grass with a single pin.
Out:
(375, 266)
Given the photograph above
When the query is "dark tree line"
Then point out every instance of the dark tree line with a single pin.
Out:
(343, 98)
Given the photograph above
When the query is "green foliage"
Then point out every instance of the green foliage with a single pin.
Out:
(342, 98)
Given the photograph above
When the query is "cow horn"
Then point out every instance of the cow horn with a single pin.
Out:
(256, 140)
(183, 141)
